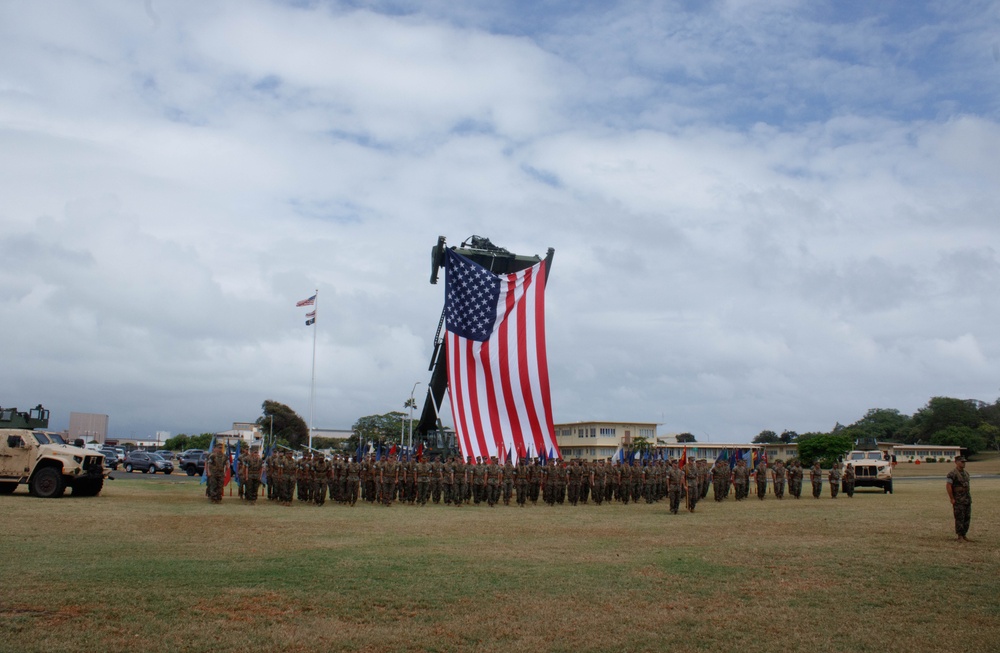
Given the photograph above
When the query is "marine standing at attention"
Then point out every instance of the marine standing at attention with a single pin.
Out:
(816, 476)
(215, 471)
(957, 485)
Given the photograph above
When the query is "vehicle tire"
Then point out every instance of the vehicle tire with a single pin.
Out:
(47, 483)
(167, 471)
(88, 487)
(190, 471)
(128, 468)
(7, 488)
(150, 469)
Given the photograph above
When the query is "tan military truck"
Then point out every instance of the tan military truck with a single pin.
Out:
(43, 460)
(872, 466)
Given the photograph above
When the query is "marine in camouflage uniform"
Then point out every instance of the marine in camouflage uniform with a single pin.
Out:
(703, 474)
(289, 473)
(437, 479)
(507, 480)
(816, 476)
(795, 479)
(691, 484)
(352, 473)
(779, 479)
(624, 484)
(960, 495)
(252, 468)
(215, 472)
(479, 482)
(848, 483)
(302, 476)
(834, 478)
(720, 472)
(423, 471)
(741, 479)
(319, 472)
(675, 485)
(535, 476)
(598, 477)
(761, 476)
(574, 475)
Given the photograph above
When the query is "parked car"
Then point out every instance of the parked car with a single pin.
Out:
(143, 461)
(193, 462)
(111, 459)
(167, 455)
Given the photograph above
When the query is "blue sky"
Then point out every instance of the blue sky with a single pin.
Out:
(766, 215)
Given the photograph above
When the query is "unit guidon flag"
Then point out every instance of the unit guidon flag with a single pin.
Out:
(498, 376)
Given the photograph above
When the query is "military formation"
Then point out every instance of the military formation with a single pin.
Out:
(314, 478)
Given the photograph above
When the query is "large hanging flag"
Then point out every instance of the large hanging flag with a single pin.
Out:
(498, 377)
(306, 302)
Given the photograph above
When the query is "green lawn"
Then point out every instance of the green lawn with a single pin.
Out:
(151, 565)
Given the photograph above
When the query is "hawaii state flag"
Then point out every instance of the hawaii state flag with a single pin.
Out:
(498, 378)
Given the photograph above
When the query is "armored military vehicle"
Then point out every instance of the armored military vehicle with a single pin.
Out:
(872, 466)
(43, 460)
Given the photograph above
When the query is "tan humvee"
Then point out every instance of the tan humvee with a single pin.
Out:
(44, 461)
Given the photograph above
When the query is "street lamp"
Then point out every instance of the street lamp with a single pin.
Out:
(411, 403)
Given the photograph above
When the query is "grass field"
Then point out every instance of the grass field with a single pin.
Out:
(151, 565)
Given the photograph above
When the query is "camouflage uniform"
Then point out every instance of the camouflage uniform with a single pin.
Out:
(961, 498)
(692, 484)
(795, 479)
(761, 475)
(252, 469)
(848, 482)
(834, 478)
(353, 482)
(816, 476)
(779, 479)
(215, 466)
(675, 486)
(507, 479)
(741, 479)
(423, 472)
(720, 473)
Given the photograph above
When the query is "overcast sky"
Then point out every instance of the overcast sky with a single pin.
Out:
(765, 215)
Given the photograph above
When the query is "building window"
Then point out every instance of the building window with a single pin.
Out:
(608, 431)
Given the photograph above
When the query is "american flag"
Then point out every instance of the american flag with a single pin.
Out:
(311, 314)
(306, 302)
(498, 375)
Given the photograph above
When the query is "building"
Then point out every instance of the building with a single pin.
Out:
(596, 440)
(912, 453)
(248, 433)
(89, 427)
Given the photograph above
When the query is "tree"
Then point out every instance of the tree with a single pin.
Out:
(827, 447)
(960, 436)
(685, 438)
(288, 426)
(377, 428)
(767, 437)
(788, 436)
(641, 444)
(942, 412)
(177, 443)
(881, 424)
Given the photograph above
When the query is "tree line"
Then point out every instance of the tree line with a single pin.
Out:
(968, 423)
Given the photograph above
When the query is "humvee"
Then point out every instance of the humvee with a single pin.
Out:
(43, 460)
(872, 467)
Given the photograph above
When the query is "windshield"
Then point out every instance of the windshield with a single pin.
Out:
(155, 456)
(858, 455)
(41, 437)
(55, 438)
(874, 455)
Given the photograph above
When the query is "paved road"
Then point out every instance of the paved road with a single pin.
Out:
(178, 476)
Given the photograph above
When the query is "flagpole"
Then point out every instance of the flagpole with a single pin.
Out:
(312, 390)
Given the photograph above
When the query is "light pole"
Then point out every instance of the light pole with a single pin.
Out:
(411, 404)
